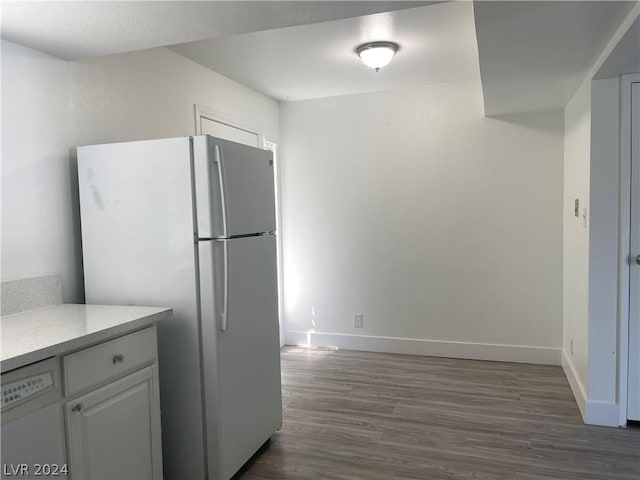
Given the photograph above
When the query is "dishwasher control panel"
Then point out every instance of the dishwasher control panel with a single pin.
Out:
(25, 387)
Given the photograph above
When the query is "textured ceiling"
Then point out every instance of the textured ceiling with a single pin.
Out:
(625, 58)
(81, 29)
(534, 55)
(437, 45)
(530, 55)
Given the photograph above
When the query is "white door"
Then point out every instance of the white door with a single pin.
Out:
(241, 352)
(113, 431)
(633, 386)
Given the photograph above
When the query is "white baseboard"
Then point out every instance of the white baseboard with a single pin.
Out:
(577, 388)
(432, 348)
(601, 413)
(593, 412)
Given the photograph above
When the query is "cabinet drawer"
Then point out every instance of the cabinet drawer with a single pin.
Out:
(108, 360)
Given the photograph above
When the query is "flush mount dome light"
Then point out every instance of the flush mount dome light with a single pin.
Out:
(377, 54)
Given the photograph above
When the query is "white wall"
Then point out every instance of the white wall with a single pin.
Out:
(440, 225)
(577, 146)
(51, 106)
(604, 200)
(591, 253)
(151, 94)
(37, 214)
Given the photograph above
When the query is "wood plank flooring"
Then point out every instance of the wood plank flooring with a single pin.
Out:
(369, 416)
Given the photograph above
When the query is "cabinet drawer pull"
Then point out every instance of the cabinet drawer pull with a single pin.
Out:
(77, 408)
(118, 358)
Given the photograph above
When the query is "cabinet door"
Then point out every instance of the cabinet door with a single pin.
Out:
(114, 431)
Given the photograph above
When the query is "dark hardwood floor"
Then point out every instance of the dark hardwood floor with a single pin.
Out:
(370, 416)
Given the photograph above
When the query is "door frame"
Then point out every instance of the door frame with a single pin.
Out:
(225, 119)
(624, 268)
(279, 247)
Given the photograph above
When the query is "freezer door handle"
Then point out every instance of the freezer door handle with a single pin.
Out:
(224, 314)
(223, 197)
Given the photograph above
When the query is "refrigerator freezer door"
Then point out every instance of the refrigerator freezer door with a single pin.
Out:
(234, 188)
(241, 363)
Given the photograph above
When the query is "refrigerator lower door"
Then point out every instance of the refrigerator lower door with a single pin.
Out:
(241, 354)
(234, 188)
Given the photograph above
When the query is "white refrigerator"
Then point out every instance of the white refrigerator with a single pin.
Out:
(190, 223)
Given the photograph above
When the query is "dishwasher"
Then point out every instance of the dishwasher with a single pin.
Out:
(32, 428)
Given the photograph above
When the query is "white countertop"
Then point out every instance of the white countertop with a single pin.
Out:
(34, 335)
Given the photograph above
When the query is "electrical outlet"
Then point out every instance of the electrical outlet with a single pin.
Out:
(571, 347)
(358, 320)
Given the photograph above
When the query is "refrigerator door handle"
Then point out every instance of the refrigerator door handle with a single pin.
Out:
(224, 317)
(223, 197)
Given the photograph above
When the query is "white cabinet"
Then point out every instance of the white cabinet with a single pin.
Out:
(113, 430)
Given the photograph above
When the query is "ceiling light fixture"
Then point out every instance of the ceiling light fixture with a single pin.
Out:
(377, 54)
